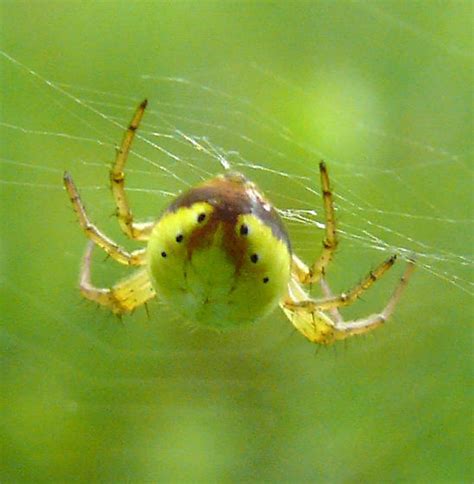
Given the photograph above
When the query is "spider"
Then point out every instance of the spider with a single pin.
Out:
(220, 255)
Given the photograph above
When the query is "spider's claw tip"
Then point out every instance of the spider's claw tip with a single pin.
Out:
(144, 103)
(68, 181)
(322, 166)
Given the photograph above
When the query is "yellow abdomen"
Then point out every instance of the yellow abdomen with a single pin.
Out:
(216, 266)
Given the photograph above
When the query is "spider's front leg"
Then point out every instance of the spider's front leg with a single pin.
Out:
(345, 299)
(135, 258)
(310, 275)
(134, 230)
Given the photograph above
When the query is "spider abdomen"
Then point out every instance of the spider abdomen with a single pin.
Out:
(215, 259)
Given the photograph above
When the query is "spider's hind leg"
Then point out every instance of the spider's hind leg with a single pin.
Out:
(328, 294)
(309, 316)
(364, 325)
(121, 298)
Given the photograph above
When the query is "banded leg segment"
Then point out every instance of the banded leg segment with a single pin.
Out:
(336, 316)
(135, 258)
(310, 320)
(123, 297)
(344, 299)
(364, 325)
(318, 269)
(134, 230)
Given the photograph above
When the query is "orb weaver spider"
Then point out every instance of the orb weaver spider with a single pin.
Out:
(220, 255)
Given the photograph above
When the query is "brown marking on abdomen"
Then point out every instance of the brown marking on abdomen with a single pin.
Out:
(231, 195)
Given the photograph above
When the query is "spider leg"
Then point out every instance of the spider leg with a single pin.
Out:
(364, 325)
(318, 269)
(308, 317)
(134, 230)
(344, 299)
(328, 294)
(326, 290)
(135, 258)
(121, 298)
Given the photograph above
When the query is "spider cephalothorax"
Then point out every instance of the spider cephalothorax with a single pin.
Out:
(221, 257)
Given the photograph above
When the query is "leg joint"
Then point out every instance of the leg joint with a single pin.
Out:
(117, 177)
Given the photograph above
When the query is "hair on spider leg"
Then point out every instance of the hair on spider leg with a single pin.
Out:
(291, 332)
(119, 317)
(114, 213)
(320, 347)
(316, 350)
(147, 311)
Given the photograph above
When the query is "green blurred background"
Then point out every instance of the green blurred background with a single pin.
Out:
(382, 91)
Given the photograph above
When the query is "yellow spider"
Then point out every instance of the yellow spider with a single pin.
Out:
(221, 257)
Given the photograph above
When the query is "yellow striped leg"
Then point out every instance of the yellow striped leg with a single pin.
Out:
(123, 297)
(135, 258)
(309, 319)
(318, 269)
(134, 230)
(344, 299)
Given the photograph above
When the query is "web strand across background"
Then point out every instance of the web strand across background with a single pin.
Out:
(207, 131)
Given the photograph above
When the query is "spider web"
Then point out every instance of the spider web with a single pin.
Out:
(208, 130)
(192, 131)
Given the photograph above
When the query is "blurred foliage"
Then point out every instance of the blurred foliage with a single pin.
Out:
(386, 85)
